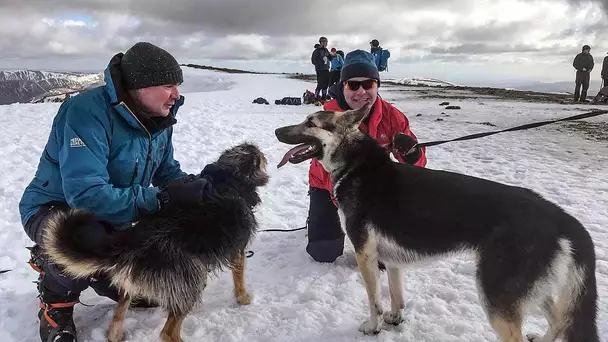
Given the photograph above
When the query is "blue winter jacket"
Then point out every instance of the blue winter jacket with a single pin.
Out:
(100, 157)
(336, 63)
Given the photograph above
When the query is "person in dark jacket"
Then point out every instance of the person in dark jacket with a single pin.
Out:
(605, 71)
(106, 147)
(359, 82)
(321, 59)
(583, 63)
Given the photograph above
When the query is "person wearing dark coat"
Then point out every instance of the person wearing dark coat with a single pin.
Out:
(583, 63)
(605, 71)
(320, 59)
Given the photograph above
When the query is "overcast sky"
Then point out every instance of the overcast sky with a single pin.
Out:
(460, 40)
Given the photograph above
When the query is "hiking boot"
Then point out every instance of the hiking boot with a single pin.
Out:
(56, 313)
(56, 322)
(56, 304)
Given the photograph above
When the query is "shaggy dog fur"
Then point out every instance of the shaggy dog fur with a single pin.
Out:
(166, 256)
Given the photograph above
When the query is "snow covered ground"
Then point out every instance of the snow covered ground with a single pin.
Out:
(296, 299)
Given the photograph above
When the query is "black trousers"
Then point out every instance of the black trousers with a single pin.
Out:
(334, 77)
(322, 81)
(582, 79)
(325, 236)
(54, 278)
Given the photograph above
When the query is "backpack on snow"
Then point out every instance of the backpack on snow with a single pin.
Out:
(308, 97)
(381, 58)
(292, 101)
(602, 96)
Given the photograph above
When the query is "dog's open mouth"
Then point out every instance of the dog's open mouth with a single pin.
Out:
(299, 154)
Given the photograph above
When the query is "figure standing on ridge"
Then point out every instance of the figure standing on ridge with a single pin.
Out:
(583, 63)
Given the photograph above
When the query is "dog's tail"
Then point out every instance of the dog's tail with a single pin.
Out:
(62, 244)
(576, 305)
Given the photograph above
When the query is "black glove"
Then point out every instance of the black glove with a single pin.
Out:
(403, 143)
(191, 188)
(406, 147)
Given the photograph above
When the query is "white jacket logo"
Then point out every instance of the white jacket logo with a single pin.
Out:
(76, 142)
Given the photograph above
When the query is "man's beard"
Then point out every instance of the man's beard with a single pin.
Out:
(142, 109)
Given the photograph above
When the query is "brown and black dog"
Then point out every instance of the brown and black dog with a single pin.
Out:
(167, 256)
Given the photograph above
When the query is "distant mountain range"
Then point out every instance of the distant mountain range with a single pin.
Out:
(421, 81)
(30, 86)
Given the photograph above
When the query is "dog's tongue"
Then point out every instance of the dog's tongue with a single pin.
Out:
(290, 153)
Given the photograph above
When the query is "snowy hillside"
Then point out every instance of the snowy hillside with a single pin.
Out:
(25, 86)
(294, 298)
(421, 81)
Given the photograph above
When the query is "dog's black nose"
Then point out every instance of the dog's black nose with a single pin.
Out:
(282, 132)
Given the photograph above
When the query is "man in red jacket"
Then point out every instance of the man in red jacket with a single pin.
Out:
(359, 82)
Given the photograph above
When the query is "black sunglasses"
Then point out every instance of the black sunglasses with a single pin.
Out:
(354, 85)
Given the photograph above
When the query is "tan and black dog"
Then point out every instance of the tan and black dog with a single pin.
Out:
(528, 250)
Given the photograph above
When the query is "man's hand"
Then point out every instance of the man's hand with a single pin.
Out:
(404, 144)
(189, 188)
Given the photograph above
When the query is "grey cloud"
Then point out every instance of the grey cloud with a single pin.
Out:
(483, 48)
(492, 31)
(603, 3)
(265, 17)
(445, 58)
(193, 29)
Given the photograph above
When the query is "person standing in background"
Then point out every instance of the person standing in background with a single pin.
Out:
(605, 72)
(320, 59)
(583, 63)
(336, 64)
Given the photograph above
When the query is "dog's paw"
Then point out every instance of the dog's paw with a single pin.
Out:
(116, 337)
(534, 338)
(394, 318)
(244, 298)
(370, 328)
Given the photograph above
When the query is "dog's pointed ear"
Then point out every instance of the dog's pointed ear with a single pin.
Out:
(355, 116)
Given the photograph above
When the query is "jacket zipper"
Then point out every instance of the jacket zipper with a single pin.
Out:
(149, 156)
(135, 171)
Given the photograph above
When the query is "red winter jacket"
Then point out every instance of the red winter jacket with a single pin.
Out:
(385, 121)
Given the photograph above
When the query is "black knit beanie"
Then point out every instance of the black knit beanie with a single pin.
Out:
(146, 65)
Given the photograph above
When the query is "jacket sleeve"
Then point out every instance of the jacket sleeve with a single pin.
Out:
(169, 168)
(575, 62)
(83, 157)
(314, 58)
(402, 125)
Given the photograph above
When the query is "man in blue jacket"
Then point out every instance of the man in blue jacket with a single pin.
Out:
(106, 147)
